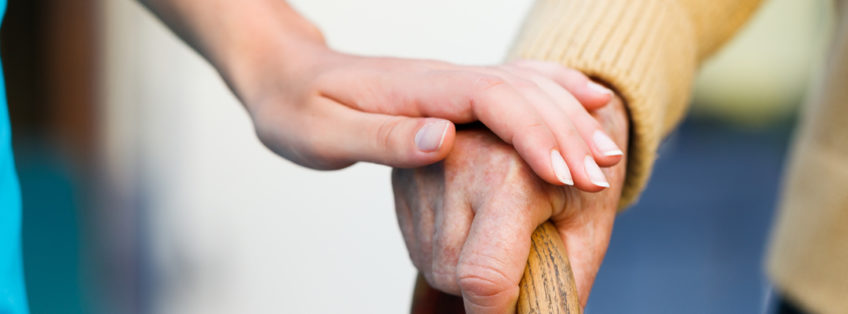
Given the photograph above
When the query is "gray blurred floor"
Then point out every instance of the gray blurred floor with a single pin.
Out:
(695, 241)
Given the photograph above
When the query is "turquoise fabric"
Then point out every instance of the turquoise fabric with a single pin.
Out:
(12, 293)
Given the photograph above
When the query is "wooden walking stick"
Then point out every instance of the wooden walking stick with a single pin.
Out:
(546, 288)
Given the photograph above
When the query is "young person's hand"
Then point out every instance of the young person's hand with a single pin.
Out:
(337, 109)
(328, 110)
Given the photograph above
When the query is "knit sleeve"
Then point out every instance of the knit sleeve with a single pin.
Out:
(647, 50)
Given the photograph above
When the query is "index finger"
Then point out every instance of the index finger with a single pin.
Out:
(493, 258)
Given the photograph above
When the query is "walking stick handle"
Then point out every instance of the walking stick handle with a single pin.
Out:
(548, 283)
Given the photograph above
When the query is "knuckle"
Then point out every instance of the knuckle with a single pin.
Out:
(481, 281)
(443, 278)
(383, 139)
(531, 135)
(534, 129)
(571, 134)
(488, 90)
(525, 84)
(519, 179)
(487, 83)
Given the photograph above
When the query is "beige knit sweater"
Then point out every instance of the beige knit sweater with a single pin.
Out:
(649, 51)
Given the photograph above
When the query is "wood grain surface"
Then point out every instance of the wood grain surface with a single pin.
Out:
(548, 283)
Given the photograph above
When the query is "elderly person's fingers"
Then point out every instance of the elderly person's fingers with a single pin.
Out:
(494, 254)
(419, 195)
(454, 222)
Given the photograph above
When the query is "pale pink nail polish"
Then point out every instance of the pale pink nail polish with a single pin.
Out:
(595, 174)
(560, 168)
(605, 144)
(598, 88)
(431, 136)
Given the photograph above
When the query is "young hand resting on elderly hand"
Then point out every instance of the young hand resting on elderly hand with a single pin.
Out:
(327, 110)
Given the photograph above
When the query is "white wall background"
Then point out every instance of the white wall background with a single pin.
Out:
(237, 229)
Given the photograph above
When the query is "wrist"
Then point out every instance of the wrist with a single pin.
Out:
(264, 44)
(270, 65)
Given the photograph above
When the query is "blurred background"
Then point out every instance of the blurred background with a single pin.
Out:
(146, 191)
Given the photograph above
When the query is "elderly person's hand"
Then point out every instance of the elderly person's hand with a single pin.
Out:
(467, 221)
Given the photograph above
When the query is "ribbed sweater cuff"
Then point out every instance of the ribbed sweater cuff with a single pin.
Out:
(645, 50)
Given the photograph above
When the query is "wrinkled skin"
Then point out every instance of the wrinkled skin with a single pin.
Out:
(467, 220)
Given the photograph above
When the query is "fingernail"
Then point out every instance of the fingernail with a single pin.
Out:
(560, 168)
(431, 136)
(598, 88)
(605, 144)
(595, 174)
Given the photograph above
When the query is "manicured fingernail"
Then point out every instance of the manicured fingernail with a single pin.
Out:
(431, 136)
(598, 88)
(560, 168)
(605, 144)
(595, 174)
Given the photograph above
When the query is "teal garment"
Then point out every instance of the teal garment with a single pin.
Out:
(12, 293)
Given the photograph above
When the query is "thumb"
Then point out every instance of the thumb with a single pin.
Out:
(396, 141)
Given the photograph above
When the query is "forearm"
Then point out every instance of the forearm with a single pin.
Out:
(301, 95)
(237, 37)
